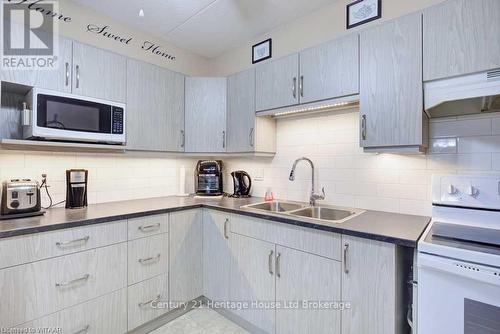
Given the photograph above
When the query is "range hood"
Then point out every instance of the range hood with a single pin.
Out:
(464, 95)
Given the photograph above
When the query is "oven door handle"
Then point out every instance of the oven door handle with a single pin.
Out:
(460, 268)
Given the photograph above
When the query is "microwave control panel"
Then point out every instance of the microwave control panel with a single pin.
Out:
(117, 122)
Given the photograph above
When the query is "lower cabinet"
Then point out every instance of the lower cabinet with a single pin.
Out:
(308, 289)
(305, 287)
(252, 280)
(216, 255)
(106, 314)
(49, 286)
(186, 262)
(147, 257)
(147, 300)
(369, 284)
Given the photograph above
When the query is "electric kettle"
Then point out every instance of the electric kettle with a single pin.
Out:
(242, 184)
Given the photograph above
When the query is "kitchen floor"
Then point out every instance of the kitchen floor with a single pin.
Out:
(200, 321)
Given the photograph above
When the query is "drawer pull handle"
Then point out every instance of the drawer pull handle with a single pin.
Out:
(148, 228)
(270, 259)
(150, 259)
(71, 242)
(83, 330)
(149, 302)
(81, 279)
(278, 265)
(225, 228)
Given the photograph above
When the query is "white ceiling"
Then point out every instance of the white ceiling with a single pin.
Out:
(206, 27)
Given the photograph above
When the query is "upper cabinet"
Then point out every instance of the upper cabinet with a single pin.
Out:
(205, 115)
(461, 37)
(245, 131)
(330, 70)
(277, 83)
(98, 73)
(324, 72)
(58, 78)
(155, 108)
(391, 89)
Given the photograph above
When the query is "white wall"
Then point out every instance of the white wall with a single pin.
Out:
(320, 26)
(186, 62)
(396, 183)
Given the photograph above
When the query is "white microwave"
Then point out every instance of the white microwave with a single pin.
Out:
(61, 116)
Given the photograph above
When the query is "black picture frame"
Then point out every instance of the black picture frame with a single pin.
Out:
(348, 7)
(270, 55)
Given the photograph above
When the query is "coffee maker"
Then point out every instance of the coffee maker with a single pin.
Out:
(76, 188)
(242, 184)
(208, 178)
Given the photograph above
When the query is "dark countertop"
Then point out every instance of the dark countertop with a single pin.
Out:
(404, 230)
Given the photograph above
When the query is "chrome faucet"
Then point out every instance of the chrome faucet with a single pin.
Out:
(314, 197)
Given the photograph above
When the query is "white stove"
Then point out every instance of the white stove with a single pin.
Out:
(459, 258)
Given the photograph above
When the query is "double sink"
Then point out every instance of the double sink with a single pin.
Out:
(322, 213)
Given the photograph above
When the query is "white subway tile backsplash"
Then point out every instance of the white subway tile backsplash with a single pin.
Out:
(387, 182)
(495, 125)
(443, 145)
(479, 144)
(495, 161)
(473, 162)
(397, 183)
(461, 127)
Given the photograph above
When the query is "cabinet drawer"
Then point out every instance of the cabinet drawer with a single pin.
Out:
(301, 238)
(41, 246)
(147, 257)
(106, 314)
(146, 226)
(143, 300)
(44, 287)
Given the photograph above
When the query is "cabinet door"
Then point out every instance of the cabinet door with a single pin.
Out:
(106, 314)
(186, 263)
(391, 95)
(175, 113)
(330, 70)
(58, 78)
(276, 83)
(305, 278)
(155, 113)
(216, 255)
(368, 283)
(206, 114)
(98, 73)
(252, 280)
(241, 112)
(461, 37)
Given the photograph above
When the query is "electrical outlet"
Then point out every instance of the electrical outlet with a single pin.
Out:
(259, 174)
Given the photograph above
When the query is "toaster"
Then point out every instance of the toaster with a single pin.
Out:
(20, 196)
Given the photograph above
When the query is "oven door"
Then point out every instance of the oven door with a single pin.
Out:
(456, 297)
(68, 117)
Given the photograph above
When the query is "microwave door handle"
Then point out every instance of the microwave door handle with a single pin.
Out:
(77, 68)
(67, 73)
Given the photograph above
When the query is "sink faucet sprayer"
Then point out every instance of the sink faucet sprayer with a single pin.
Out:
(314, 197)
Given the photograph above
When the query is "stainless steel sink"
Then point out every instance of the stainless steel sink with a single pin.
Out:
(275, 206)
(332, 214)
(323, 213)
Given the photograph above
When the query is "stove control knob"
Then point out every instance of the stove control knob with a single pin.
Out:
(451, 189)
(472, 191)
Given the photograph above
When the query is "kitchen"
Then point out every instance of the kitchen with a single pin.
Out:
(369, 148)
